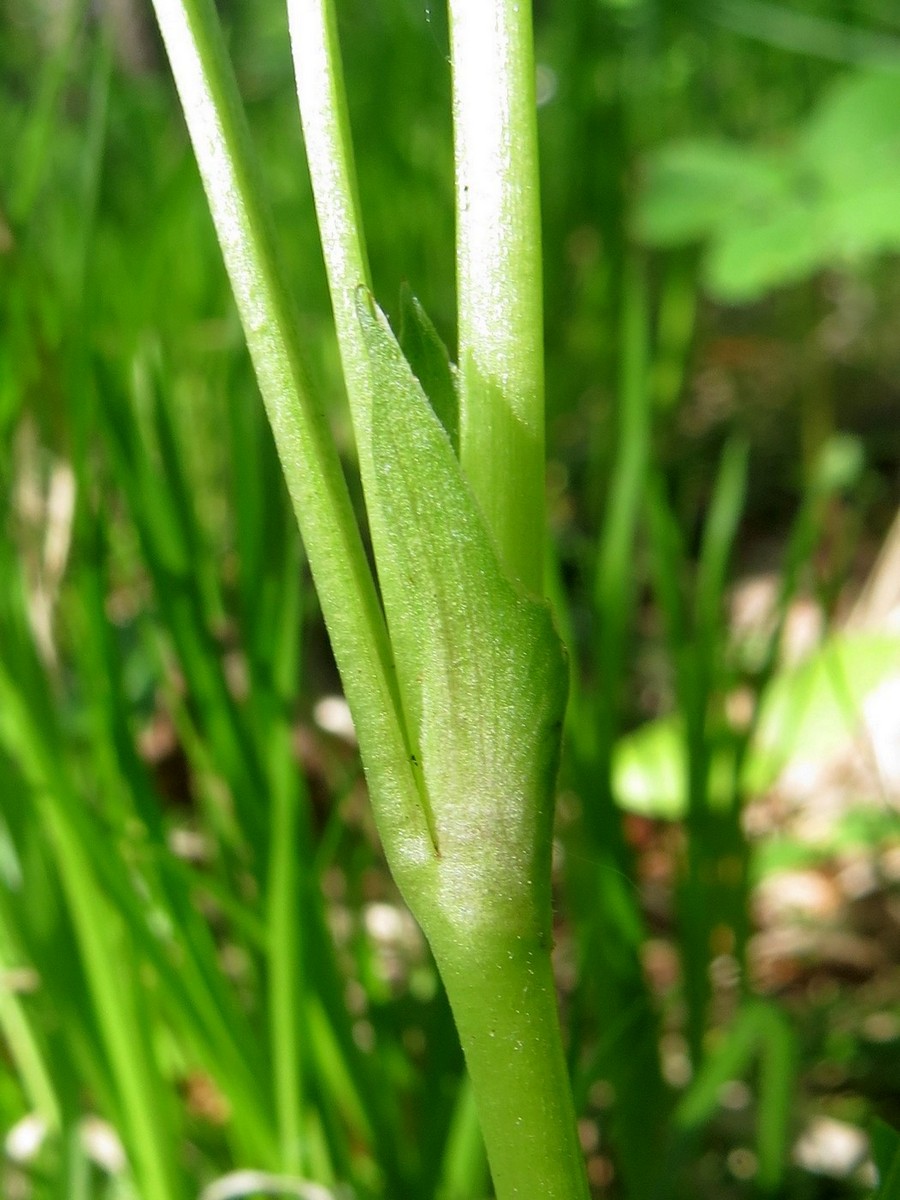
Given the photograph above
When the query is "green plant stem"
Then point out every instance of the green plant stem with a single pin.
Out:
(326, 132)
(503, 999)
(312, 470)
(24, 1046)
(499, 980)
(498, 263)
(497, 971)
(501, 987)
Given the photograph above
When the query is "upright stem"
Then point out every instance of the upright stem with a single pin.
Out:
(502, 993)
(500, 983)
(309, 458)
(485, 901)
(498, 263)
(322, 99)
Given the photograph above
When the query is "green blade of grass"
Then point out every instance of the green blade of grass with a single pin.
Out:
(124, 1038)
(886, 1152)
(719, 533)
(284, 953)
(778, 1066)
(24, 1044)
(613, 980)
(464, 1168)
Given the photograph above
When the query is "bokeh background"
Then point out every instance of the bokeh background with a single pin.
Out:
(208, 984)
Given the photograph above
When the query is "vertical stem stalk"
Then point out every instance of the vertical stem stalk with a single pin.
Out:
(312, 470)
(498, 262)
(501, 987)
(503, 998)
(322, 99)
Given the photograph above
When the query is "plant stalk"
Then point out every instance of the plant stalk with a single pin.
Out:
(503, 998)
(499, 278)
(322, 99)
(498, 977)
(501, 988)
(484, 900)
(312, 470)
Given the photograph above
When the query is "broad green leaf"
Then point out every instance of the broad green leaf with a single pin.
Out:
(854, 133)
(806, 712)
(755, 252)
(693, 189)
(427, 356)
(770, 217)
(865, 219)
(481, 669)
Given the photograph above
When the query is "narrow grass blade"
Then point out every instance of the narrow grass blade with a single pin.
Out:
(758, 1030)
(24, 1042)
(284, 952)
(720, 530)
(777, 1073)
(464, 1169)
(886, 1152)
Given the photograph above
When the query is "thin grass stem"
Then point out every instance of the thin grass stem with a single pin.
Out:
(306, 449)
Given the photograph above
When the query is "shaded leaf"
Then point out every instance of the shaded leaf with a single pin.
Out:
(427, 356)
(886, 1152)
(770, 217)
(693, 189)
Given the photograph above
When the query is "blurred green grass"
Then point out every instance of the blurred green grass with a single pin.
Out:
(198, 940)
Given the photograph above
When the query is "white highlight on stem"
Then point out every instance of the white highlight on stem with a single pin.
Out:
(326, 133)
(499, 275)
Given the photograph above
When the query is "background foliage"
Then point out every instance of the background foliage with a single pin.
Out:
(205, 968)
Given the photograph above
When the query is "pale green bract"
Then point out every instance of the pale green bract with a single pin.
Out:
(481, 670)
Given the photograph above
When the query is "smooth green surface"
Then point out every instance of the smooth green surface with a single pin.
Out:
(499, 276)
(165, 654)
(504, 1002)
(306, 449)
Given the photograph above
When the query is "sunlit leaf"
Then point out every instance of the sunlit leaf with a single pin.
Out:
(481, 669)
